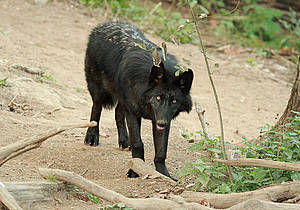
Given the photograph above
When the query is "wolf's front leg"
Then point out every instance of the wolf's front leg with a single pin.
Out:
(161, 144)
(136, 144)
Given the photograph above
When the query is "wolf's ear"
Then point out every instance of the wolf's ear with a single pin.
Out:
(184, 81)
(157, 74)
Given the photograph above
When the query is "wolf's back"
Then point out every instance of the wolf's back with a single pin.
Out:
(121, 34)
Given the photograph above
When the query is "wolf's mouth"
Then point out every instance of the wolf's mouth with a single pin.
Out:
(160, 127)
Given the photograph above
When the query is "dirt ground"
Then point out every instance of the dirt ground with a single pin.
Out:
(52, 37)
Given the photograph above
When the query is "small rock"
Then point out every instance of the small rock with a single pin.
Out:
(191, 141)
(178, 199)
(189, 185)
(146, 176)
(155, 196)
(178, 191)
(25, 79)
(260, 66)
(278, 67)
(58, 200)
(242, 99)
(164, 191)
(42, 2)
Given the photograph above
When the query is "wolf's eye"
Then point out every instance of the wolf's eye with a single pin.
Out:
(174, 101)
(158, 98)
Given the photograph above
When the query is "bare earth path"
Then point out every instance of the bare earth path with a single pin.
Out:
(53, 38)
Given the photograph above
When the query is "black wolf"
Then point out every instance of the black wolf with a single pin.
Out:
(119, 71)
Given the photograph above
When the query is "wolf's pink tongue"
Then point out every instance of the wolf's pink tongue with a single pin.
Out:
(159, 127)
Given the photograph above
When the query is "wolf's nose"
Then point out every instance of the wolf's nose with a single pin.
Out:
(162, 124)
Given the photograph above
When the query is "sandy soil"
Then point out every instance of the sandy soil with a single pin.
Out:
(52, 38)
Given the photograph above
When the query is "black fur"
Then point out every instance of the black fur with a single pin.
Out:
(119, 70)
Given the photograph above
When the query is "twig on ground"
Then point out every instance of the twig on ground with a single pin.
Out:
(200, 113)
(17, 148)
(83, 173)
(28, 70)
(261, 163)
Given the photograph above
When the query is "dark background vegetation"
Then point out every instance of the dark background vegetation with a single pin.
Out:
(263, 24)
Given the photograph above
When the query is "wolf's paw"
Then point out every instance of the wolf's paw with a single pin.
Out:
(124, 144)
(92, 136)
(123, 140)
(132, 174)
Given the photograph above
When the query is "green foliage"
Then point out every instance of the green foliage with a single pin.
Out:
(90, 196)
(51, 178)
(262, 27)
(281, 144)
(4, 82)
(259, 26)
(79, 90)
(93, 198)
(163, 23)
(251, 61)
(292, 39)
(49, 77)
(118, 206)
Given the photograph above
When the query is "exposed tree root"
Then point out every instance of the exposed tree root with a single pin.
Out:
(276, 193)
(109, 195)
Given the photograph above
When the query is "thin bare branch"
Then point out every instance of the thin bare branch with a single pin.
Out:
(200, 113)
(261, 163)
(196, 23)
(12, 150)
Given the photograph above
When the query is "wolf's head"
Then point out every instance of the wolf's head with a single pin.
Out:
(169, 94)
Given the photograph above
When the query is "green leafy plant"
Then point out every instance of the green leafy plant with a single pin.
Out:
(161, 22)
(251, 61)
(258, 28)
(85, 195)
(93, 198)
(49, 77)
(118, 206)
(277, 143)
(4, 82)
(293, 27)
(262, 27)
(79, 90)
(255, 25)
(51, 178)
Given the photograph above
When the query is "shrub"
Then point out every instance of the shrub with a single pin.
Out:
(278, 143)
